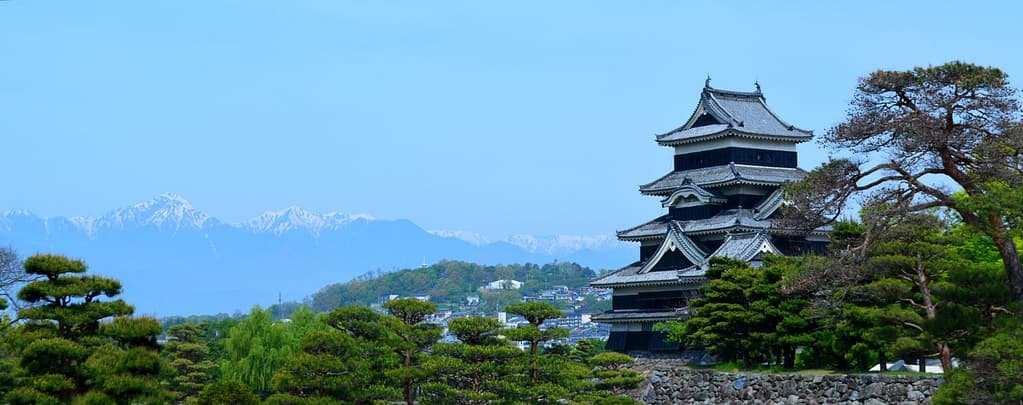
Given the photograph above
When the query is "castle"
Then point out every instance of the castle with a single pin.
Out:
(731, 159)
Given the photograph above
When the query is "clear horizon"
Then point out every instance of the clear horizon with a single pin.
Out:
(526, 118)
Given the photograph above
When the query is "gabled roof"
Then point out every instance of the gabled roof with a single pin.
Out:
(724, 175)
(689, 190)
(746, 246)
(732, 113)
(676, 240)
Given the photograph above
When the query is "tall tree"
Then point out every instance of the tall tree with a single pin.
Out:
(477, 370)
(187, 353)
(536, 313)
(63, 327)
(923, 130)
(74, 303)
(331, 367)
(415, 337)
(255, 348)
(127, 368)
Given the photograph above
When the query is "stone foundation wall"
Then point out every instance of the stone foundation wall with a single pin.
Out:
(678, 385)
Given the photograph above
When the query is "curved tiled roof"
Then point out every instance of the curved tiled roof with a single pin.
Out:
(769, 204)
(724, 175)
(736, 114)
(689, 189)
(745, 246)
(630, 275)
(725, 221)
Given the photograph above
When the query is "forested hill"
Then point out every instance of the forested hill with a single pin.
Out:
(449, 282)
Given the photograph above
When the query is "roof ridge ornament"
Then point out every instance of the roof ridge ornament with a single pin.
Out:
(706, 83)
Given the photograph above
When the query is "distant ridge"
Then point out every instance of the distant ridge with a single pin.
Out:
(175, 259)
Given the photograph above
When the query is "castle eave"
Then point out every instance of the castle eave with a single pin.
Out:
(708, 134)
(640, 316)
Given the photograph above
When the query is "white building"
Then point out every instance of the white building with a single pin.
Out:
(503, 285)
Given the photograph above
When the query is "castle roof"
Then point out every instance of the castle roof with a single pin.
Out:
(744, 246)
(740, 219)
(723, 113)
(724, 175)
(632, 275)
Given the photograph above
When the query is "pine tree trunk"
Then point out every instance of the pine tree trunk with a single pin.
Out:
(1010, 257)
(922, 364)
(945, 354)
(407, 382)
(882, 360)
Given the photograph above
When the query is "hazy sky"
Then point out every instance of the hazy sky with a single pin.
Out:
(524, 117)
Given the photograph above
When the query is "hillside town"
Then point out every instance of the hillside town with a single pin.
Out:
(577, 319)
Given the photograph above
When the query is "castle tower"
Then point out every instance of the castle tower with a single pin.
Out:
(731, 158)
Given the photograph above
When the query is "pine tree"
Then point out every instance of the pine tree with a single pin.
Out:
(187, 353)
(67, 353)
(414, 337)
(474, 370)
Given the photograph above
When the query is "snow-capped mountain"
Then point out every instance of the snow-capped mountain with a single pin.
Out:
(552, 245)
(173, 258)
(560, 244)
(294, 218)
(165, 211)
(473, 238)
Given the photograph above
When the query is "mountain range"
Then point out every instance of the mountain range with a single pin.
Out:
(174, 259)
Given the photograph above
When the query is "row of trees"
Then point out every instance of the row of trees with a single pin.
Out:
(74, 342)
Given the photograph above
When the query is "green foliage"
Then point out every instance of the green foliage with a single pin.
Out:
(535, 313)
(993, 372)
(743, 315)
(410, 310)
(332, 366)
(67, 354)
(255, 348)
(53, 266)
(30, 396)
(227, 392)
(924, 129)
(474, 330)
(611, 360)
(187, 353)
(68, 300)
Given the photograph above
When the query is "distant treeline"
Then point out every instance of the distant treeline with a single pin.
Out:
(449, 282)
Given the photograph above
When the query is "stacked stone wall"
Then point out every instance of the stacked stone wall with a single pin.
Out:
(680, 385)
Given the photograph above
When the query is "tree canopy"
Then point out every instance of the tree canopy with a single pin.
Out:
(946, 136)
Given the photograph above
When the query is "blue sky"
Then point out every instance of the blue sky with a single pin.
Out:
(498, 118)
